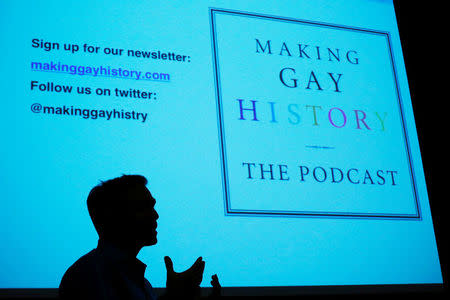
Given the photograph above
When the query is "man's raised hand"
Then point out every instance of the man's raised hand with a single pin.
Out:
(187, 282)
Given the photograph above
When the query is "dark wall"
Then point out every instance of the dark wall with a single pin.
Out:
(422, 31)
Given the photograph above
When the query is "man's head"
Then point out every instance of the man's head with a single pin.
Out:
(123, 209)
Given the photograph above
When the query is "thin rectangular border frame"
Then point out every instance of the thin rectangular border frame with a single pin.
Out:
(279, 213)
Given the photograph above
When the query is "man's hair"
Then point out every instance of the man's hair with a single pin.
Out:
(109, 198)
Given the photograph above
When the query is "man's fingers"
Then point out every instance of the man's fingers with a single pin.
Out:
(202, 267)
(215, 281)
(199, 260)
(169, 264)
(196, 265)
(196, 271)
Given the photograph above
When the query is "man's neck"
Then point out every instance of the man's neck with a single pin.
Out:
(131, 248)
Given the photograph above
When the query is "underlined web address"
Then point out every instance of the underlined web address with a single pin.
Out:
(99, 71)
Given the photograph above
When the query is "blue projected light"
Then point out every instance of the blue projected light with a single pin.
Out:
(278, 140)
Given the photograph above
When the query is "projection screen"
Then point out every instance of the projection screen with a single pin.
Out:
(278, 139)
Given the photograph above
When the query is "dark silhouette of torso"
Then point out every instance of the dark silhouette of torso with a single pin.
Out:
(106, 273)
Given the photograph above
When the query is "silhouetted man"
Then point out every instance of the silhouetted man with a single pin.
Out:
(123, 213)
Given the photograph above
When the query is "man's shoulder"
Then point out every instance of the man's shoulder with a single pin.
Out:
(84, 269)
(82, 280)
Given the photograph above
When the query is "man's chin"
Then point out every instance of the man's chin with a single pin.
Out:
(151, 241)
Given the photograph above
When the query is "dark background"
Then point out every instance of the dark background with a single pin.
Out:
(423, 31)
(422, 27)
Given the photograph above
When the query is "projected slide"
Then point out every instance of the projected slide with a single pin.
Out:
(325, 130)
(278, 140)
